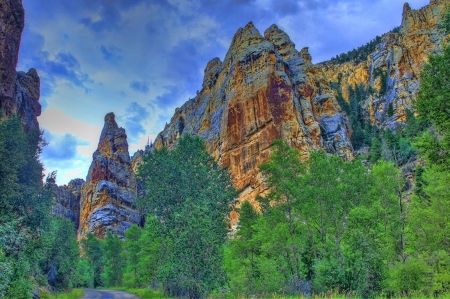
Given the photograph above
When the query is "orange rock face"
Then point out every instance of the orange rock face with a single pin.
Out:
(107, 196)
(263, 90)
(400, 57)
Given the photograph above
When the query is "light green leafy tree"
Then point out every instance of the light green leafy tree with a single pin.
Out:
(189, 195)
(113, 267)
(94, 253)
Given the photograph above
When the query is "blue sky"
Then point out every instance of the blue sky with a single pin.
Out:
(142, 59)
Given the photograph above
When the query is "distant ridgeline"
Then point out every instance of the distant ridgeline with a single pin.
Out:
(360, 54)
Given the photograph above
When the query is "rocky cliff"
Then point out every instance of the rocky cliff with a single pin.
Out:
(107, 196)
(391, 72)
(263, 90)
(66, 201)
(19, 91)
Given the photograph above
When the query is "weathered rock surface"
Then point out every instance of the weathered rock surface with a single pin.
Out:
(107, 197)
(19, 92)
(263, 90)
(66, 201)
(398, 58)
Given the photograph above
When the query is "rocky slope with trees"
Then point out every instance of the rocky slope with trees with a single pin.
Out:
(390, 73)
(263, 90)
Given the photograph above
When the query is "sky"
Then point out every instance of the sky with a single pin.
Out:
(141, 59)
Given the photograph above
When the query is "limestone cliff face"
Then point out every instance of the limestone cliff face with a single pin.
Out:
(107, 197)
(66, 201)
(19, 92)
(398, 58)
(263, 90)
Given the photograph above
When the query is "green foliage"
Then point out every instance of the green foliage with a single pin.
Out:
(362, 129)
(73, 294)
(429, 229)
(390, 110)
(130, 254)
(445, 24)
(144, 293)
(360, 54)
(326, 224)
(60, 254)
(84, 276)
(94, 253)
(376, 148)
(152, 253)
(433, 105)
(190, 196)
(411, 276)
(241, 252)
(24, 208)
(113, 267)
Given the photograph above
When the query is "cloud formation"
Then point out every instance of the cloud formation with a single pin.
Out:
(111, 53)
(133, 119)
(61, 147)
(139, 86)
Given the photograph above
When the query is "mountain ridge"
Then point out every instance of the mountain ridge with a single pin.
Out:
(265, 89)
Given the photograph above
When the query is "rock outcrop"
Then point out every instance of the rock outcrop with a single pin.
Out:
(263, 90)
(392, 71)
(66, 201)
(107, 197)
(19, 92)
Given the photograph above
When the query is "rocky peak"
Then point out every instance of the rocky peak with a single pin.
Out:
(212, 71)
(244, 40)
(283, 44)
(261, 92)
(304, 53)
(19, 92)
(107, 197)
(406, 9)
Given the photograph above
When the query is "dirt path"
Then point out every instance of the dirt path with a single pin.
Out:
(107, 294)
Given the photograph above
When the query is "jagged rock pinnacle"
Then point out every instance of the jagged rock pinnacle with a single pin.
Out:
(107, 197)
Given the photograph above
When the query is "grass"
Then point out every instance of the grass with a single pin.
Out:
(74, 294)
(143, 293)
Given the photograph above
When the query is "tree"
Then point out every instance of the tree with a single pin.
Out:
(242, 252)
(113, 268)
(433, 104)
(445, 24)
(429, 231)
(390, 110)
(284, 170)
(94, 253)
(152, 254)
(131, 252)
(61, 253)
(190, 196)
(84, 276)
(376, 148)
(24, 207)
